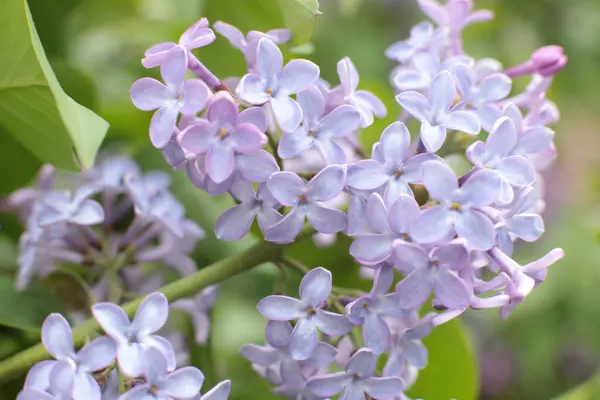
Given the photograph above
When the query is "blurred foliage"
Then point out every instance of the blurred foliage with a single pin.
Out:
(550, 344)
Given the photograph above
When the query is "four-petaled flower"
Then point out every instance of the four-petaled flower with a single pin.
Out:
(273, 84)
(77, 209)
(436, 111)
(292, 191)
(134, 338)
(173, 97)
(314, 291)
(223, 134)
(357, 379)
(459, 208)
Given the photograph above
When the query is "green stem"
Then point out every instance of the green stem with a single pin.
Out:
(210, 275)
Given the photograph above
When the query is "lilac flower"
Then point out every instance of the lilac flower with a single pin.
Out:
(392, 225)
(277, 354)
(392, 168)
(422, 36)
(109, 175)
(274, 84)
(291, 191)
(235, 222)
(78, 209)
(435, 112)
(171, 98)
(160, 383)
(223, 134)
(407, 349)
(196, 36)
(73, 367)
(198, 308)
(357, 380)
(432, 271)
(455, 14)
(545, 61)
(133, 338)
(459, 208)
(369, 311)
(41, 383)
(495, 155)
(314, 291)
(481, 95)
(366, 102)
(219, 392)
(522, 279)
(520, 221)
(425, 65)
(318, 129)
(248, 45)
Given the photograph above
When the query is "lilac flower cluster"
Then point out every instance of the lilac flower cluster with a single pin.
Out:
(112, 220)
(131, 356)
(284, 144)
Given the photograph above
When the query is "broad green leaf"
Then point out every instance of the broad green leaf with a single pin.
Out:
(34, 109)
(300, 17)
(25, 309)
(451, 372)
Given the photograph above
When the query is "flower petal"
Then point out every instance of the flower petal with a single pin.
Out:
(174, 67)
(332, 324)
(252, 90)
(327, 184)
(450, 290)
(315, 286)
(269, 60)
(162, 126)
(384, 387)
(494, 87)
(326, 220)
(151, 314)
(410, 256)
(433, 225)
(277, 334)
(312, 103)
(328, 385)
(367, 175)
(90, 212)
(294, 143)
(297, 76)
(183, 383)
(112, 319)
(98, 354)
(372, 248)
(280, 308)
(403, 213)
(376, 333)
(235, 222)
(463, 121)
(340, 122)
(247, 138)
(414, 290)
(257, 166)
(439, 180)
(222, 110)
(441, 93)
(286, 187)
(348, 75)
(502, 138)
(516, 170)
(287, 112)
(414, 103)
(362, 363)
(195, 96)
(481, 189)
(433, 137)
(196, 138)
(220, 162)
(476, 228)
(286, 230)
(131, 362)
(149, 94)
(303, 341)
(395, 141)
(255, 116)
(219, 392)
(57, 337)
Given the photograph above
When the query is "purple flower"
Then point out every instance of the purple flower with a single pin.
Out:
(432, 270)
(78, 209)
(392, 167)
(545, 61)
(357, 380)
(319, 130)
(407, 347)
(522, 279)
(425, 65)
(198, 307)
(161, 384)
(392, 225)
(290, 190)
(248, 45)
(235, 222)
(369, 311)
(224, 134)
(196, 36)
(459, 208)
(274, 84)
(72, 367)
(314, 291)
(422, 37)
(133, 338)
(171, 98)
(366, 102)
(520, 221)
(455, 14)
(277, 354)
(436, 113)
(481, 95)
(495, 155)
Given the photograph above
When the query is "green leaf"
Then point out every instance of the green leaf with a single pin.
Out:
(34, 109)
(25, 309)
(451, 371)
(300, 17)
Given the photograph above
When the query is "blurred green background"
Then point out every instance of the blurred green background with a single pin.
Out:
(550, 345)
